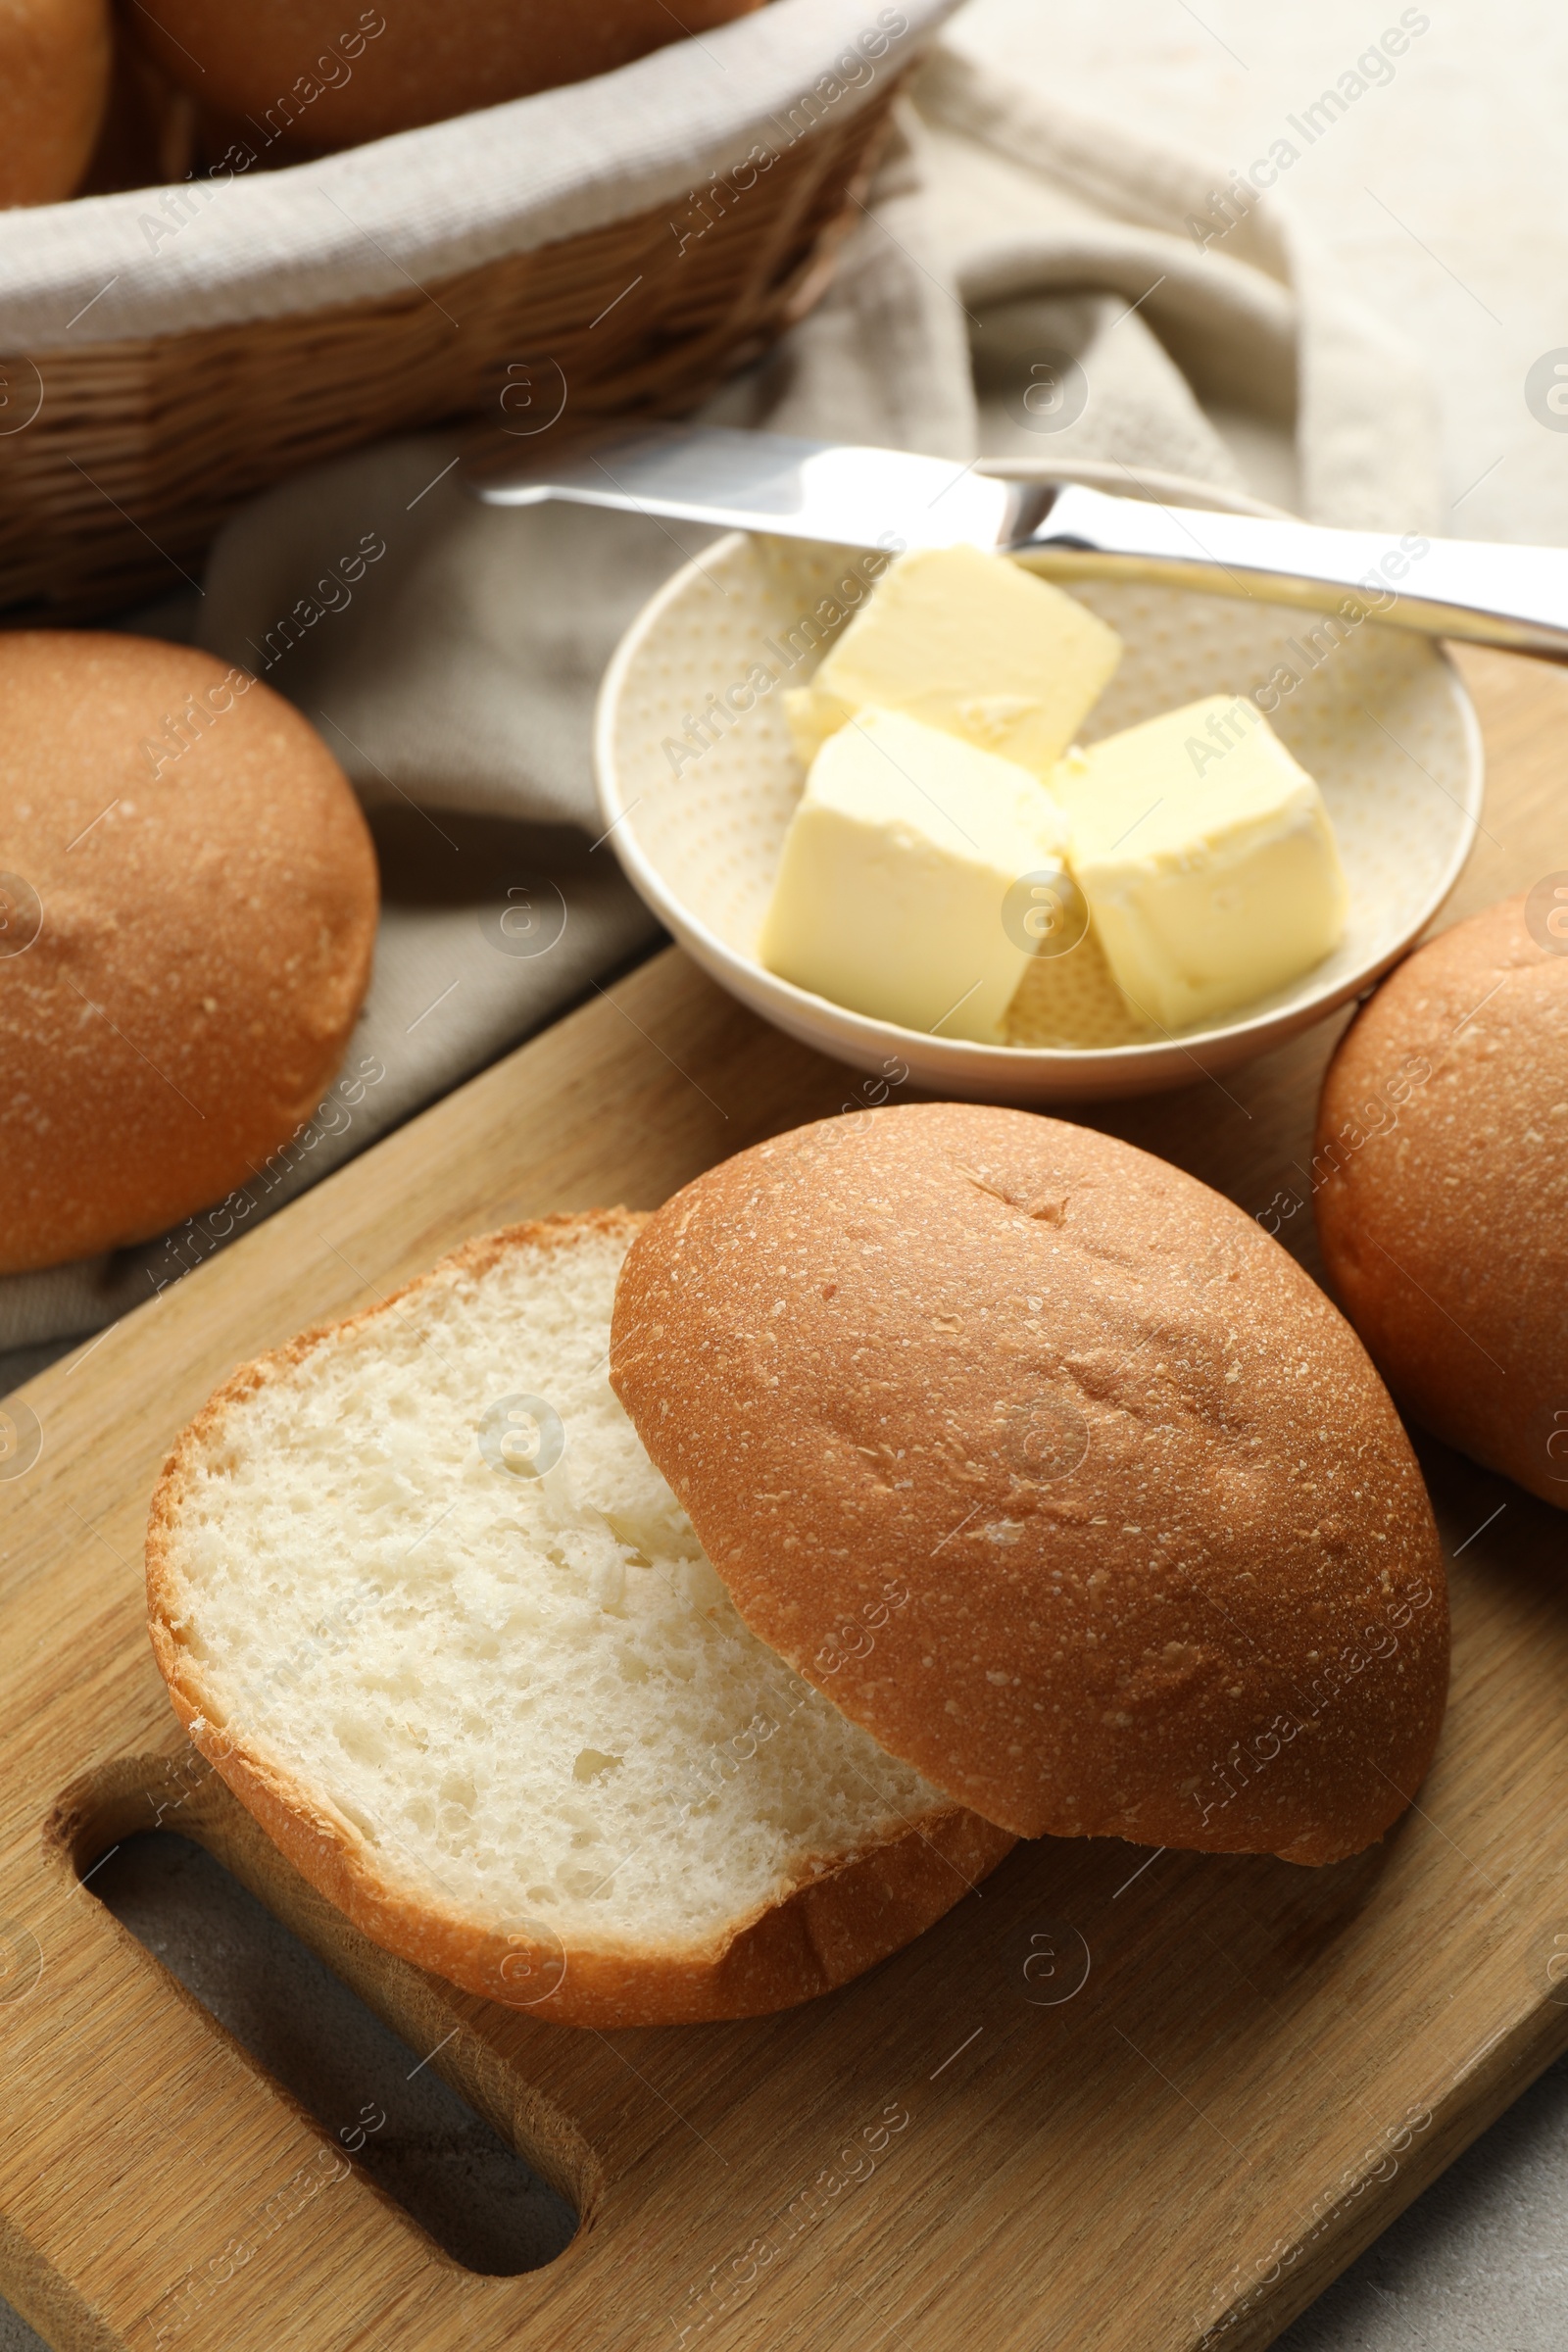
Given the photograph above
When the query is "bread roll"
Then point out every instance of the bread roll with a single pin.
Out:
(490, 1699)
(186, 924)
(1171, 1574)
(1442, 1189)
(315, 75)
(54, 86)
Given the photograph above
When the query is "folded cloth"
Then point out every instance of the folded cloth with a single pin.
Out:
(1027, 283)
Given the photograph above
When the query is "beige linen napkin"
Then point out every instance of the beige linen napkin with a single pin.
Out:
(1026, 281)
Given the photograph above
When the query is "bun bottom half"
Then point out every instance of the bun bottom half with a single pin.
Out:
(496, 1707)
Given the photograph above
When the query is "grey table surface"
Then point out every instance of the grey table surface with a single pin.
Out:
(1447, 200)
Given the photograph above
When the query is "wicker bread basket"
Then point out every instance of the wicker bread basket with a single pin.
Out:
(617, 246)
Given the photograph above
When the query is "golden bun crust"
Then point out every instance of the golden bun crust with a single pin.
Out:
(1442, 1172)
(845, 1914)
(54, 88)
(1053, 1471)
(316, 74)
(185, 936)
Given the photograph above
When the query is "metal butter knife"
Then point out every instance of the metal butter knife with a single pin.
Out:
(859, 497)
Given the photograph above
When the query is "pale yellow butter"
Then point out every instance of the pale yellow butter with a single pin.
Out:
(1207, 858)
(891, 897)
(972, 644)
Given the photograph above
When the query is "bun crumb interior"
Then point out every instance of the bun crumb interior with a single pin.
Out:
(420, 1593)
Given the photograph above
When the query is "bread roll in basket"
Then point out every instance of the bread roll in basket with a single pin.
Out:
(617, 245)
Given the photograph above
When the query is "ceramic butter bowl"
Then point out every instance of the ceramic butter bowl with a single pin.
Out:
(697, 779)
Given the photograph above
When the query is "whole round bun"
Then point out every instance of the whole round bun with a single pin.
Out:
(1442, 1193)
(54, 88)
(314, 75)
(1054, 1471)
(185, 936)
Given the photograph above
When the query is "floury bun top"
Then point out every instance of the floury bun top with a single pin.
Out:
(185, 936)
(1168, 1569)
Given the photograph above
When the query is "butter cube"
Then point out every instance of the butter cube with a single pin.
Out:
(891, 893)
(972, 644)
(1208, 860)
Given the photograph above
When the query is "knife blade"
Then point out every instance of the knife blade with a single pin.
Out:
(852, 496)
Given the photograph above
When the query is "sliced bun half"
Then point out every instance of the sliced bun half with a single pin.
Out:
(422, 1599)
(1171, 1570)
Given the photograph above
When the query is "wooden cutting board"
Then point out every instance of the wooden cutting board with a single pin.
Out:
(1115, 2098)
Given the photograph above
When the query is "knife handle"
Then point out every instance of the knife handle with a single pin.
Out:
(1493, 594)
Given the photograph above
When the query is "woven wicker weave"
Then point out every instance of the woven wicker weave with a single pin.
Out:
(140, 449)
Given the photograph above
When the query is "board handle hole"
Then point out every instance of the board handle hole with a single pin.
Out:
(382, 2103)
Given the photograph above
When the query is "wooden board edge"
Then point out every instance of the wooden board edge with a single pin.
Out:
(1294, 2276)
